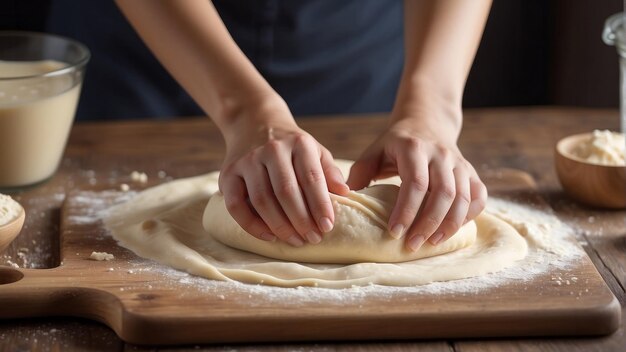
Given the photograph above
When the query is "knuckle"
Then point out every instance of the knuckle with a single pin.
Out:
(479, 190)
(247, 225)
(226, 170)
(234, 204)
(407, 214)
(450, 225)
(253, 157)
(302, 139)
(483, 191)
(313, 177)
(302, 223)
(254, 154)
(447, 191)
(463, 197)
(432, 221)
(320, 208)
(413, 143)
(259, 198)
(443, 150)
(272, 146)
(465, 164)
(480, 204)
(286, 189)
(283, 229)
(269, 151)
(418, 182)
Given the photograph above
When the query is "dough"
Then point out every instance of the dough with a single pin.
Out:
(360, 233)
(164, 223)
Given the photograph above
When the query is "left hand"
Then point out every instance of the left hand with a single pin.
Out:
(437, 181)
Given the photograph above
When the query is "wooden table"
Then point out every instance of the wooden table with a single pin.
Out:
(105, 154)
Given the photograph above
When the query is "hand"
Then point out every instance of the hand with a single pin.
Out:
(437, 182)
(276, 178)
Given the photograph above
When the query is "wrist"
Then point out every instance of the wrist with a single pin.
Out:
(243, 119)
(436, 120)
(423, 106)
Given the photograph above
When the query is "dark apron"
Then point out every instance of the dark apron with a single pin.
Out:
(321, 56)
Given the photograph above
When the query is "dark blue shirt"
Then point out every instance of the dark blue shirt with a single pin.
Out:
(321, 56)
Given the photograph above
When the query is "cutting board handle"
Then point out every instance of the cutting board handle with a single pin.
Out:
(51, 292)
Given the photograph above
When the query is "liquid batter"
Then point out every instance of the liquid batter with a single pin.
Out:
(36, 113)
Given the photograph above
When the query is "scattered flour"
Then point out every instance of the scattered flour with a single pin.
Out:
(9, 209)
(553, 251)
(100, 256)
(140, 177)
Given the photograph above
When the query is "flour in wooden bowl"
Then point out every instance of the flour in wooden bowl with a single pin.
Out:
(10, 210)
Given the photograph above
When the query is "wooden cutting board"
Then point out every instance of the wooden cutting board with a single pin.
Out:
(143, 308)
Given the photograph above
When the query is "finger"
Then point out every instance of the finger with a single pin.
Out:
(442, 194)
(413, 171)
(262, 198)
(287, 191)
(334, 178)
(234, 191)
(311, 178)
(363, 171)
(478, 193)
(458, 211)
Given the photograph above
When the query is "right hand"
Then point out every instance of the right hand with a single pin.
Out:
(276, 177)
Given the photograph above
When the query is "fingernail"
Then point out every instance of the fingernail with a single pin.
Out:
(415, 243)
(397, 231)
(295, 241)
(313, 237)
(267, 237)
(436, 238)
(326, 225)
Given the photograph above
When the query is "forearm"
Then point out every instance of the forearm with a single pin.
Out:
(192, 42)
(441, 39)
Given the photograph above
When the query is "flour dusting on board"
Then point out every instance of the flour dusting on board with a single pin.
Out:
(553, 249)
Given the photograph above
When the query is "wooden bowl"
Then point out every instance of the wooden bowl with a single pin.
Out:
(9, 231)
(596, 185)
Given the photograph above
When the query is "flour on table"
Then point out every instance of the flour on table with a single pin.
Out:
(101, 256)
(164, 224)
(140, 177)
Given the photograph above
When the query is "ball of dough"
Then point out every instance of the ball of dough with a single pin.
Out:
(359, 235)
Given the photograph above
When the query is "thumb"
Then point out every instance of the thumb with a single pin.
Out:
(362, 172)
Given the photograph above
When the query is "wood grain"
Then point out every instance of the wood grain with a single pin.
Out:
(491, 138)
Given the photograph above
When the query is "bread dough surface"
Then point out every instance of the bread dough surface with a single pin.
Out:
(165, 223)
(360, 233)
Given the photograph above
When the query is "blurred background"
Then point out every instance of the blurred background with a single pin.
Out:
(533, 52)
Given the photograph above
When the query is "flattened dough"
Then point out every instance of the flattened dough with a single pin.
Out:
(164, 223)
(360, 233)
